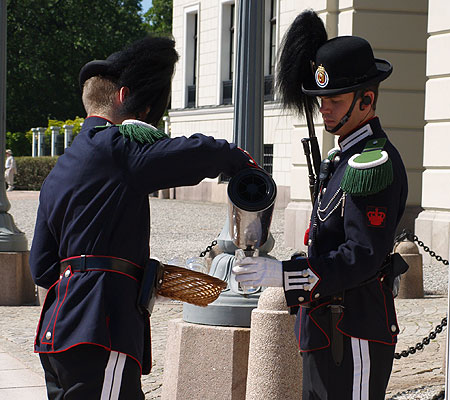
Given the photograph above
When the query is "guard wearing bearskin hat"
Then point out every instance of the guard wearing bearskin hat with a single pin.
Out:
(91, 242)
(346, 322)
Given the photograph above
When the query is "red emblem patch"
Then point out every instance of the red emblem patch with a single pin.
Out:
(376, 216)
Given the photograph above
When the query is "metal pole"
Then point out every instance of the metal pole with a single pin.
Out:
(249, 79)
(232, 309)
(11, 239)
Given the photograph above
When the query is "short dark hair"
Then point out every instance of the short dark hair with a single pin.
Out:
(146, 67)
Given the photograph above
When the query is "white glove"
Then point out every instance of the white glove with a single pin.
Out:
(259, 271)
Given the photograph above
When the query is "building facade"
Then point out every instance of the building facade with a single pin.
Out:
(413, 35)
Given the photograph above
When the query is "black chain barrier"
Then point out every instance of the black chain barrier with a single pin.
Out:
(208, 248)
(439, 328)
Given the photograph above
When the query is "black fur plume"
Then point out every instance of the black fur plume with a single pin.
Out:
(298, 48)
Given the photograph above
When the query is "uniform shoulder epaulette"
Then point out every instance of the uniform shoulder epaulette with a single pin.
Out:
(369, 172)
(335, 151)
(138, 131)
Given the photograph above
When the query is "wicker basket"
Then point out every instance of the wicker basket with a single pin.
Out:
(190, 286)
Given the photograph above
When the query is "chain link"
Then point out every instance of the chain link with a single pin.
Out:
(208, 248)
(438, 329)
(413, 238)
(425, 341)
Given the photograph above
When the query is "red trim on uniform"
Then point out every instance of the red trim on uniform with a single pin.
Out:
(99, 116)
(59, 308)
(53, 314)
(114, 258)
(393, 343)
(380, 284)
(93, 344)
(312, 319)
(42, 311)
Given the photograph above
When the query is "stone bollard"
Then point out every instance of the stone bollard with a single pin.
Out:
(41, 142)
(67, 135)
(411, 282)
(164, 194)
(55, 132)
(274, 362)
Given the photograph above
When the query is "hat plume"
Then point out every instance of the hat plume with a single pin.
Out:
(298, 49)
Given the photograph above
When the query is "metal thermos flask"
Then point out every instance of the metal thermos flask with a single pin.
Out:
(251, 195)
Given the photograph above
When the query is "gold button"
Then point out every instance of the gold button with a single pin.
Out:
(393, 328)
(301, 299)
(67, 273)
(48, 335)
(317, 295)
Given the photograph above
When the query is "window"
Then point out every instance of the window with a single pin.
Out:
(268, 158)
(270, 47)
(228, 52)
(191, 52)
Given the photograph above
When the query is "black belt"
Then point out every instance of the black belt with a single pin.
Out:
(90, 263)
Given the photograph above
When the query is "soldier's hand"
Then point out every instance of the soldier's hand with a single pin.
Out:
(259, 271)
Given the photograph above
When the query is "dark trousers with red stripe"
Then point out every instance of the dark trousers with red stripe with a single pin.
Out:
(91, 372)
(362, 375)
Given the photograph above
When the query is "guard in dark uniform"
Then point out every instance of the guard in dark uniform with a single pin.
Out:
(91, 241)
(346, 321)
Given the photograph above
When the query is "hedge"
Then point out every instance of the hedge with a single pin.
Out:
(31, 171)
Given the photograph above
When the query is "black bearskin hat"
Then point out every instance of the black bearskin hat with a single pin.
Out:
(146, 67)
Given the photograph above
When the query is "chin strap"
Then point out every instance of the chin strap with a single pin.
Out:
(347, 115)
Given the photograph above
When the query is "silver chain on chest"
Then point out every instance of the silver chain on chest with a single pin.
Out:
(324, 210)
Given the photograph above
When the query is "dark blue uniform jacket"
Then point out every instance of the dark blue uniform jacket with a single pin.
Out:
(349, 238)
(95, 202)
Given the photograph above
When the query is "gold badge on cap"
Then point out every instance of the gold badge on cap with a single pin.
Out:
(321, 77)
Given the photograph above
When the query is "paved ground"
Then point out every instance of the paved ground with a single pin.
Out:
(185, 229)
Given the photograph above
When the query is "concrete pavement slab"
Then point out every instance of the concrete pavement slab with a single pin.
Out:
(18, 382)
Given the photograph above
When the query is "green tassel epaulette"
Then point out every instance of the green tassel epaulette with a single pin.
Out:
(369, 172)
(142, 133)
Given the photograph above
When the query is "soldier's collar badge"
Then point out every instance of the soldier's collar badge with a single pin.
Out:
(321, 76)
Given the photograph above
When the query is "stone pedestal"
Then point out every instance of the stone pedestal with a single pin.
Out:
(205, 362)
(411, 282)
(274, 361)
(296, 220)
(164, 194)
(432, 227)
(17, 286)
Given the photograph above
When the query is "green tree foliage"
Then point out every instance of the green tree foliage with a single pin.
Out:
(159, 17)
(19, 143)
(49, 41)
